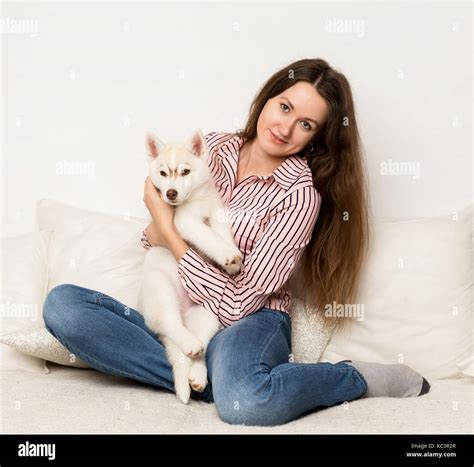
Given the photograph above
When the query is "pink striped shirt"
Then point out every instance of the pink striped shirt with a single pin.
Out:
(272, 218)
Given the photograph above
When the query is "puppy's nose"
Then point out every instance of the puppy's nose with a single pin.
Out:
(171, 194)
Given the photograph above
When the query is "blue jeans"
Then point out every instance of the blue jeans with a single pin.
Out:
(251, 380)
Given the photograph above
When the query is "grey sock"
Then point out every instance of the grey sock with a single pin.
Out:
(393, 380)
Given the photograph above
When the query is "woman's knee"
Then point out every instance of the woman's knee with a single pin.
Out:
(248, 403)
(58, 312)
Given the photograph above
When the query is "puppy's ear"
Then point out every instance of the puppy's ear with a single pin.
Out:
(197, 144)
(154, 146)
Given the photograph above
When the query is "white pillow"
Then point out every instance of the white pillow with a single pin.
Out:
(416, 291)
(41, 344)
(24, 281)
(309, 336)
(94, 250)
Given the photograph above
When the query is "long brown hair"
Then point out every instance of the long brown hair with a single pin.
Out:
(330, 267)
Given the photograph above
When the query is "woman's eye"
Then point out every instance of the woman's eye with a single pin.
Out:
(305, 127)
(186, 171)
(162, 173)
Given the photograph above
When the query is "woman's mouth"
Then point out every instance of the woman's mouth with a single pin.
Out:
(275, 139)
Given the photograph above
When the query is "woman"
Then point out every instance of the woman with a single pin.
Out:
(297, 161)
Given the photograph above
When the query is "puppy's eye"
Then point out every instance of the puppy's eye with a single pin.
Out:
(162, 173)
(186, 172)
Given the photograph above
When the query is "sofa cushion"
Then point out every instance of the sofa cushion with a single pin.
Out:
(416, 296)
(23, 288)
(41, 344)
(309, 335)
(86, 248)
(86, 401)
(94, 250)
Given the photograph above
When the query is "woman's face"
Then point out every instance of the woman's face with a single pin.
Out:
(295, 116)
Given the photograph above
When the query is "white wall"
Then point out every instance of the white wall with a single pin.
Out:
(86, 81)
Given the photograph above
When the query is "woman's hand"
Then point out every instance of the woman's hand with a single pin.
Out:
(161, 212)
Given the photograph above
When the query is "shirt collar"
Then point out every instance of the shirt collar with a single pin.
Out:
(285, 174)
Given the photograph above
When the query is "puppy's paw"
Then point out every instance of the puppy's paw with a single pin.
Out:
(183, 392)
(233, 262)
(193, 347)
(198, 375)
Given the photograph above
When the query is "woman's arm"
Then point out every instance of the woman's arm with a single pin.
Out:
(176, 244)
(151, 236)
(172, 240)
(162, 214)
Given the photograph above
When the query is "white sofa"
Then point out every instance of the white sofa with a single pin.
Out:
(415, 306)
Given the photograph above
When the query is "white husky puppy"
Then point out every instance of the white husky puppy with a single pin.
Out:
(181, 173)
